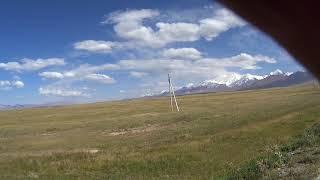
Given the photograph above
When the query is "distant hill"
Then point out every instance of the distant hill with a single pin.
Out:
(22, 106)
(5, 107)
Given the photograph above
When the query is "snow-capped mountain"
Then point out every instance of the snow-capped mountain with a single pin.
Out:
(276, 78)
(246, 80)
(282, 80)
(204, 87)
(276, 72)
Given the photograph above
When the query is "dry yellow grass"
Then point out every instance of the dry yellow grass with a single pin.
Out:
(142, 139)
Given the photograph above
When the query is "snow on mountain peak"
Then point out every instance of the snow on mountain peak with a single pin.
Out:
(245, 79)
(251, 77)
(288, 73)
(226, 79)
(276, 72)
(189, 85)
(233, 80)
(209, 83)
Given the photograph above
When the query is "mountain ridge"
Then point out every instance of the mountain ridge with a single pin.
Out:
(247, 82)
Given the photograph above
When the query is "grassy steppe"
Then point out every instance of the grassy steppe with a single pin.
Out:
(141, 139)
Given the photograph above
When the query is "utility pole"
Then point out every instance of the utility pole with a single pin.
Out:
(316, 83)
(172, 95)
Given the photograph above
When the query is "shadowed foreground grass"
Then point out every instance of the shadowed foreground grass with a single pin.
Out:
(297, 159)
(141, 139)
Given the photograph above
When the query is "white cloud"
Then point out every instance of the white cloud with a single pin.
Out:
(95, 46)
(84, 73)
(202, 66)
(7, 85)
(49, 91)
(131, 16)
(86, 69)
(101, 78)
(136, 74)
(51, 75)
(76, 76)
(17, 84)
(182, 69)
(185, 71)
(31, 65)
(261, 58)
(154, 70)
(182, 53)
(177, 32)
(129, 25)
(222, 21)
(243, 61)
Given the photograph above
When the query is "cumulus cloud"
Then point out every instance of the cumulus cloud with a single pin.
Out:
(101, 78)
(222, 21)
(74, 75)
(177, 32)
(7, 85)
(51, 75)
(17, 84)
(182, 53)
(242, 61)
(176, 61)
(86, 69)
(95, 46)
(84, 73)
(150, 69)
(186, 71)
(129, 25)
(136, 74)
(49, 91)
(203, 66)
(79, 72)
(31, 65)
(131, 16)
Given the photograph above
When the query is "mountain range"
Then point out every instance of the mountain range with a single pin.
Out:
(247, 82)
(22, 106)
(243, 82)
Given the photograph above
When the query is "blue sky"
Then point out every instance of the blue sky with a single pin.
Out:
(86, 51)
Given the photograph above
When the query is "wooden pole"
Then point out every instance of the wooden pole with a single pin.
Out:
(175, 100)
(172, 94)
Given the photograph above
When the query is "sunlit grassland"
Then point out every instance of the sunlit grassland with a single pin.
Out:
(143, 139)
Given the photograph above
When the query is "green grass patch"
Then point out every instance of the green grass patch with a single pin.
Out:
(278, 156)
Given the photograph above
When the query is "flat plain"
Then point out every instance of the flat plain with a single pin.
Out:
(142, 139)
